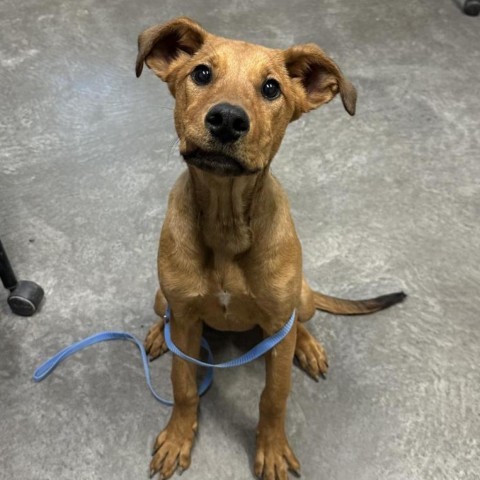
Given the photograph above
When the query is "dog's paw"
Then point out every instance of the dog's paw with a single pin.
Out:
(172, 450)
(274, 457)
(155, 341)
(311, 355)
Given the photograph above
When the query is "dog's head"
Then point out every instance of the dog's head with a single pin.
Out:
(234, 99)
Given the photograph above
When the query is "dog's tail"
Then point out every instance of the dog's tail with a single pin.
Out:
(339, 306)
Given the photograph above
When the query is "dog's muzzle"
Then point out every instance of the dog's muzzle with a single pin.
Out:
(217, 163)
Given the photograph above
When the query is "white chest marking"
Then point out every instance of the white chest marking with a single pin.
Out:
(224, 298)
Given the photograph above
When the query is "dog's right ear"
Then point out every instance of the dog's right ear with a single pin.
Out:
(161, 47)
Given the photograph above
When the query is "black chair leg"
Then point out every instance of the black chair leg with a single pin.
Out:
(25, 296)
(472, 7)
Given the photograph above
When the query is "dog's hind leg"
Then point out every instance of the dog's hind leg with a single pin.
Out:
(310, 354)
(154, 341)
(306, 309)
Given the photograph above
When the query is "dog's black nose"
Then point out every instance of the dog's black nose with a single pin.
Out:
(227, 122)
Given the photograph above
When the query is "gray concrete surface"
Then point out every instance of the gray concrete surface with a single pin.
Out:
(388, 199)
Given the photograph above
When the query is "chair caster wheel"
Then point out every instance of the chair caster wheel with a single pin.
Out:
(25, 298)
(472, 7)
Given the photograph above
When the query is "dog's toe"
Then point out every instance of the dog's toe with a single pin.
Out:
(274, 458)
(155, 341)
(172, 451)
(311, 355)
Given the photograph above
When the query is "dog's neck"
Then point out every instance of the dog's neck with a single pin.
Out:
(225, 206)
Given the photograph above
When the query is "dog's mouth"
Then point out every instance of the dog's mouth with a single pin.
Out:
(217, 162)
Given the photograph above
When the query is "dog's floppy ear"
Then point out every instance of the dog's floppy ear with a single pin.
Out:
(317, 79)
(161, 46)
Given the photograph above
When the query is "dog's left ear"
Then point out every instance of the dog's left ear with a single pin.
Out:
(317, 79)
(162, 46)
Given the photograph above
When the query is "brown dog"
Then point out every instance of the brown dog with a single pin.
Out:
(229, 255)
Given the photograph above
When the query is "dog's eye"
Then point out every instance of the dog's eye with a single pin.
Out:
(202, 74)
(271, 89)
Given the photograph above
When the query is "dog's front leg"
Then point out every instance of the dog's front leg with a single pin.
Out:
(174, 444)
(274, 456)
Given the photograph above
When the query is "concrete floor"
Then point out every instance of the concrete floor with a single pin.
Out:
(385, 200)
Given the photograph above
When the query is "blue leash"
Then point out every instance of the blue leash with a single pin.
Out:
(257, 351)
(260, 349)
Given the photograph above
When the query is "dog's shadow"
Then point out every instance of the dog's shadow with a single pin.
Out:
(244, 341)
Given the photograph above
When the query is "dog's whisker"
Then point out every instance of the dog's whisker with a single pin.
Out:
(173, 145)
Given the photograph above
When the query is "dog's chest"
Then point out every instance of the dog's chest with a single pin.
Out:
(224, 298)
(229, 301)
(228, 285)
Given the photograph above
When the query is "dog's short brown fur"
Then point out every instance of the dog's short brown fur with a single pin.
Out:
(229, 255)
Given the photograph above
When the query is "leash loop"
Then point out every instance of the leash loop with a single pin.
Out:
(257, 351)
(46, 368)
